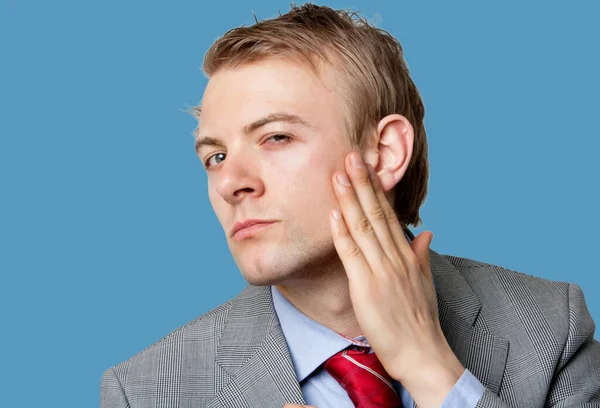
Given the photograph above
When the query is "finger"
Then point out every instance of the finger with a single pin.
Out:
(370, 204)
(358, 225)
(420, 246)
(393, 223)
(415, 254)
(355, 264)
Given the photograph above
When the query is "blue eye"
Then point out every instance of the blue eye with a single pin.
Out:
(223, 155)
(278, 139)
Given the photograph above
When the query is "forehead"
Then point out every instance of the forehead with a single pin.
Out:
(239, 95)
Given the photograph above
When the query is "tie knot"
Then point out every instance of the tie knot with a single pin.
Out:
(363, 377)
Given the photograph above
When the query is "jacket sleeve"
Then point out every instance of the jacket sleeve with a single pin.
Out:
(576, 381)
(112, 394)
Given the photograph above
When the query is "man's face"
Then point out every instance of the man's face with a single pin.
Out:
(258, 173)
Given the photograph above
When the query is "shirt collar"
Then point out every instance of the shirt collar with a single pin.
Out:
(309, 342)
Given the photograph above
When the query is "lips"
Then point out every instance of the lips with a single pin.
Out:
(248, 223)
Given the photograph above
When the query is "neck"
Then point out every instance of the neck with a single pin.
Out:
(325, 298)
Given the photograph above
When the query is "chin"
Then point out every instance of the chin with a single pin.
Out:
(258, 273)
(279, 268)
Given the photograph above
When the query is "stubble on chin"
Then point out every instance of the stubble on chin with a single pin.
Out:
(289, 261)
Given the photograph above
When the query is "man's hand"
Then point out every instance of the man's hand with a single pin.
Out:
(391, 287)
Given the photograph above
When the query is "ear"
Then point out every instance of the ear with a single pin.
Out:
(391, 149)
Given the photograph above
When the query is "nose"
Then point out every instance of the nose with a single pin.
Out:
(239, 178)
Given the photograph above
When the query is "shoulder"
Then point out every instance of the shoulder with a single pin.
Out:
(482, 276)
(186, 359)
(200, 334)
(515, 302)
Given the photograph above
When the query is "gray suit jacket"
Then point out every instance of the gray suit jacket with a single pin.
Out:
(528, 340)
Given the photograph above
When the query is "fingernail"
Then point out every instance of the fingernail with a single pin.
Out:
(356, 160)
(343, 179)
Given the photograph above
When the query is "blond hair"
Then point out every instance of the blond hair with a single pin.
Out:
(373, 77)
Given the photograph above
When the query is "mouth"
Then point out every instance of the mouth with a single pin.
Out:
(251, 229)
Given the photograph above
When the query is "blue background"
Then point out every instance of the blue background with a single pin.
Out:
(107, 238)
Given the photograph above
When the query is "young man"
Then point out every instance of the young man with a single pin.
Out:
(311, 132)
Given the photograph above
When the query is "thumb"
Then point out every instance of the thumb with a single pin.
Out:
(420, 245)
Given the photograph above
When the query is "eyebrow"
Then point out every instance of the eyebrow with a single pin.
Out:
(257, 124)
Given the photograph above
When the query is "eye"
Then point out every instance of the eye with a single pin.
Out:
(279, 139)
(284, 140)
(219, 155)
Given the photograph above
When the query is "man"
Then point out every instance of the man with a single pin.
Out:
(311, 132)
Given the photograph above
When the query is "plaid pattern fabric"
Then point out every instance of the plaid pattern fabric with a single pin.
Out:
(528, 340)
(363, 377)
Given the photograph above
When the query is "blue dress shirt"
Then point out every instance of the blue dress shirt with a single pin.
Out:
(311, 344)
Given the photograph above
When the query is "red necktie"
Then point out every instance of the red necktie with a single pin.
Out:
(364, 379)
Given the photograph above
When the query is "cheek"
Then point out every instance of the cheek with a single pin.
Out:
(310, 191)
(216, 202)
(212, 196)
(320, 169)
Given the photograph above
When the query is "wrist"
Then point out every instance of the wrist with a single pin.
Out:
(430, 382)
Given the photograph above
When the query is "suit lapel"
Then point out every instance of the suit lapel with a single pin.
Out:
(483, 354)
(252, 359)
